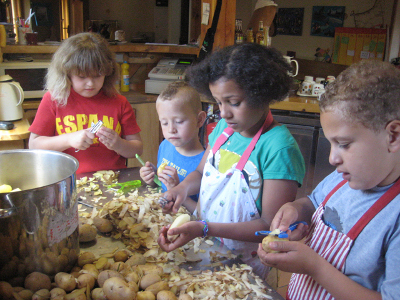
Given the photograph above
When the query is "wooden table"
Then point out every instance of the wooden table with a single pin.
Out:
(106, 244)
(15, 138)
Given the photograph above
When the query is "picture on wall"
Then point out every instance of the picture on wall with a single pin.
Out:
(325, 19)
(290, 21)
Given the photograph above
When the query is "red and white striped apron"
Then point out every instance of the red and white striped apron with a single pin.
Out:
(332, 245)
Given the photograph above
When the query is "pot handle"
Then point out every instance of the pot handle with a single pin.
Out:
(20, 91)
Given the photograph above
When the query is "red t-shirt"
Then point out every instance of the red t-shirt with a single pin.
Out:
(79, 113)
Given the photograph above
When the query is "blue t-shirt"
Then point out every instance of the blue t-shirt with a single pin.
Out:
(183, 164)
(275, 156)
(373, 260)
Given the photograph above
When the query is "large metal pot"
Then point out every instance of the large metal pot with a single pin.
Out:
(39, 224)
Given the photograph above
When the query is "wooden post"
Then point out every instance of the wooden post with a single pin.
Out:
(225, 34)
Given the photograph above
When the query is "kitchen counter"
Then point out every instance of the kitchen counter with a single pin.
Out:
(105, 244)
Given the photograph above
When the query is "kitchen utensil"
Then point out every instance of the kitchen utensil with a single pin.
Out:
(6, 125)
(39, 223)
(156, 180)
(290, 60)
(11, 97)
(283, 234)
(94, 128)
(125, 186)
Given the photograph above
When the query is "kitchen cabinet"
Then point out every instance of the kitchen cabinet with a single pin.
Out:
(147, 119)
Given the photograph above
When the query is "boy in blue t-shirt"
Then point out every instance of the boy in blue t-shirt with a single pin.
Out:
(181, 116)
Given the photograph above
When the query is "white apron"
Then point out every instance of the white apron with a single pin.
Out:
(332, 245)
(226, 198)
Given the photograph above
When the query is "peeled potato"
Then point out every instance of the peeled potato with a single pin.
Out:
(5, 188)
(271, 238)
(161, 168)
(182, 219)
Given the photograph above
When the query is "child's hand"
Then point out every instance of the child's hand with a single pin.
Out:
(285, 216)
(176, 196)
(147, 172)
(108, 137)
(294, 257)
(82, 139)
(169, 176)
(187, 232)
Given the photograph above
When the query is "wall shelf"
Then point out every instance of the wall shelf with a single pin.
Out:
(128, 47)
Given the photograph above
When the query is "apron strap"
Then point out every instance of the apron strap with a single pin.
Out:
(340, 184)
(384, 200)
(222, 139)
(245, 157)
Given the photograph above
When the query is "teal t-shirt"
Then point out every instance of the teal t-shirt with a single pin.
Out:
(275, 156)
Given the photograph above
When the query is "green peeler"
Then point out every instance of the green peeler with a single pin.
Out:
(156, 180)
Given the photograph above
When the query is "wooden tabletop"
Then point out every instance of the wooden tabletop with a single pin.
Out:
(20, 131)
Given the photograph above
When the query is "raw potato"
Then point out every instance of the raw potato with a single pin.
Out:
(42, 294)
(37, 281)
(185, 297)
(157, 287)
(182, 219)
(76, 295)
(121, 256)
(150, 268)
(148, 280)
(65, 281)
(136, 259)
(26, 294)
(104, 275)
(6, 290)
(86, 258)
(270, 238)
(103, 225)
(90, 269)
(132, 276)
(87, 233)
(57, 292)
(145, 295)
(117, 289)
(86, 280)
(161, 168)
(98, 294)
(166, 295)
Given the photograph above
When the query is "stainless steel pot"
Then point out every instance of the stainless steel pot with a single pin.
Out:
(39, 224)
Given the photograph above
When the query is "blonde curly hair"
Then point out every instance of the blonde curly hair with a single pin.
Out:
(86, 54)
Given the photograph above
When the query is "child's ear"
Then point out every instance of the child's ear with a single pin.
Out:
(201, 117)
(393, 130)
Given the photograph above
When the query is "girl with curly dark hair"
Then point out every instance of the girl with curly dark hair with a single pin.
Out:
(252, 165)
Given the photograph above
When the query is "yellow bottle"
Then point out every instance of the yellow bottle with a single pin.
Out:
(125, 77)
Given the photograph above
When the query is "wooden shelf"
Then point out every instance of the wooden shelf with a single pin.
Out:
(129, 47)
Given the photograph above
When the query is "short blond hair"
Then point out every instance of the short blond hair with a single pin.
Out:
(85, 54)
(189, 96)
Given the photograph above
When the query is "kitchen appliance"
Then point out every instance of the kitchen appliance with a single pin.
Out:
(166, 71)
(29, 74)
(11, 97)
(38, 224)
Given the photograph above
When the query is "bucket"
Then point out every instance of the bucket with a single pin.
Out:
(39, 224)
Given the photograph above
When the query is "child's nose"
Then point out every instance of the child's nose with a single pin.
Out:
(171, 128)
(224, 112)
(334, 157)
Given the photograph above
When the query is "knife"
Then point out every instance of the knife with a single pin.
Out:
(156, 180)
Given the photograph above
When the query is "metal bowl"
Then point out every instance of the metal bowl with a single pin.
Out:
(39, 224)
